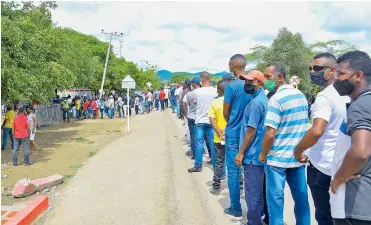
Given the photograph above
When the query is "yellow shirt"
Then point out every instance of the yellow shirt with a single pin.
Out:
(77, 104)
(216, 112)
(9, 116)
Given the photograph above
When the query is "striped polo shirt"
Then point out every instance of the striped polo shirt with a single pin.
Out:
(288, 114)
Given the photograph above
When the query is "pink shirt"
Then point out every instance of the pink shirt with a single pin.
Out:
(20, 126)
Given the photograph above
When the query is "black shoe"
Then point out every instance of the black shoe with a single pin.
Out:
(2, 149)
(209, 162)
(194, 170)
(189, 153)
(28, 164)
(193, 157)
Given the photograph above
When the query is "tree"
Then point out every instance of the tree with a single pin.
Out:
(296, 55)
(179, 77)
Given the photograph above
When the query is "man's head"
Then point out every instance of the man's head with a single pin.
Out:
(21, 110)
(221, 86)
(254, 80)
(228, 77)
(196, 82)
(354, 73)
(275, 76)
(205, 78)
(29, 109)
(237, 65)
(9, 107)
(323, 69)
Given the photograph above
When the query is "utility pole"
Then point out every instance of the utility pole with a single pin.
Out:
(105, 65)
(120, 47)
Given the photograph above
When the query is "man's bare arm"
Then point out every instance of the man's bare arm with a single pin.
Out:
(226, 109)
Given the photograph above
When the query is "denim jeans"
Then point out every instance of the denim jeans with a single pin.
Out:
(78, 114)
(219, 167)
(162, 105)
(149, 103)
(66, 115)
(350, 221)
(101, 113)
(234, 172)
(178, 109)
(254, 193)
(142, 107)
(156, 104)
(319, 184)
(111, 113)
(200, 131)
(25, 142)
(119, 109)
(173, 104)
(191, 127)
(7, 132)
(85, 114)
(166, 102)
(276, 179)
(94, 114)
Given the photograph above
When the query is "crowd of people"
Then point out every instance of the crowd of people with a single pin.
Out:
(259, 136)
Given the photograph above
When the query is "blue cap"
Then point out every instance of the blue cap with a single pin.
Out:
(228, 77)
(197, 81)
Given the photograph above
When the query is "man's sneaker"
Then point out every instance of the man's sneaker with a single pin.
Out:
(193, 157)
(214, 191)
(194, 170)
(189, 153)
(233, 214)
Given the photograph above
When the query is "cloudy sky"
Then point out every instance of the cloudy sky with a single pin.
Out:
(196, 36)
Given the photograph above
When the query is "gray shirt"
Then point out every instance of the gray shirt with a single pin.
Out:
(189, 99)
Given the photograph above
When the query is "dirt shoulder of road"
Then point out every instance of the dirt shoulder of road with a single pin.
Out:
(60, 149)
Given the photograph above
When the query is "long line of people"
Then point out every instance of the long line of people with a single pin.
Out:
(257, 130)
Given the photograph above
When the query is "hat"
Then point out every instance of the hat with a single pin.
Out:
(228, 77)
(252, 75)
(197, 81)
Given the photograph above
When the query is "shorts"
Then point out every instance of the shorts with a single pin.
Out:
(32, 136)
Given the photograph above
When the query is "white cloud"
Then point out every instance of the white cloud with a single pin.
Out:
(194, 36)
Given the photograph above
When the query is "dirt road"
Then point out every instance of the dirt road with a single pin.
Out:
(142, 178)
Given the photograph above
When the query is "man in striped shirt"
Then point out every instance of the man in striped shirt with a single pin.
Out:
(287, 109)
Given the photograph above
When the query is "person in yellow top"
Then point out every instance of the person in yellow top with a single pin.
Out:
(7, 127)
(78, 107)
(218, 123)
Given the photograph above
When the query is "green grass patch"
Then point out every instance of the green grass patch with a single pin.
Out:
(75, 166)
(68, 176)
(92, 153)
(80, 139)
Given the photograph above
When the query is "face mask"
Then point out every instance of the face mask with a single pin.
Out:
(343, 87)
(318, 78)
(249, 89)
(270, 84)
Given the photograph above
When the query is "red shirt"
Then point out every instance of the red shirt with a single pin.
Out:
(162, 95)
(20, 126)
(86, 106)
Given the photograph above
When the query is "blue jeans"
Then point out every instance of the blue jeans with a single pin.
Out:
(200, 131)
(162, 105)
(142, 105)
(295, 177)
(25, 142)
(191, 126)
(94, 114)
(111, 113)
(156, 104)
(119, 109)
(101, 113)
(254, 193)
(178, 110)
(231, 151)
(85, 114)
(149, 103)
(7, 132)
(78, 114)
(173, 104)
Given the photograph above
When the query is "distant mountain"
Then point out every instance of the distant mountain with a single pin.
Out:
(165, 74)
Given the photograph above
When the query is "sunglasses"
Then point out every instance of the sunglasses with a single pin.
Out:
(318, 68)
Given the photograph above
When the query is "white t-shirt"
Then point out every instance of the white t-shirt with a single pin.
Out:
(149, 96)
(203, 99)
(330, 106)
(166, 93)
(178, 91)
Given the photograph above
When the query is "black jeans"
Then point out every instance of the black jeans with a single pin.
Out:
(351, 222)
(166, 101)
(219, 167)
(66, 115)
(319, 184)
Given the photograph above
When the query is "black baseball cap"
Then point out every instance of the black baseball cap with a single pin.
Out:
(228, 77)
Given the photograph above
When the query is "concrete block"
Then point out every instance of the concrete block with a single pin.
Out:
(47, 182)
(23, 188)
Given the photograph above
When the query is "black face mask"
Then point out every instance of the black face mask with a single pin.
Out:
(343, 87)
(317, 78)
(249, 89)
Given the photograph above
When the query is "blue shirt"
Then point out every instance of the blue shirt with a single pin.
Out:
(254, 116)
(172, 92)
(156, 94)
(235, 95)
(288, 114)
